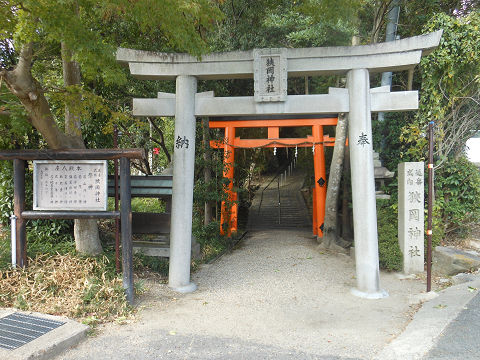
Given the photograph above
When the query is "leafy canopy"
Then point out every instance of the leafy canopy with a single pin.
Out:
(79, 24)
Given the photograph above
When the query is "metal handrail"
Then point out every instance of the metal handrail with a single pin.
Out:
(279, 204)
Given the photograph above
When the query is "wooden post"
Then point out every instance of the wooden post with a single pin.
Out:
(320, 177)
(228, 163)
(117, 220)
(19, 207)
(126, 226)
(314, 211)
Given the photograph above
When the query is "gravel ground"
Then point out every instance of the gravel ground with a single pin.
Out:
(274, 297)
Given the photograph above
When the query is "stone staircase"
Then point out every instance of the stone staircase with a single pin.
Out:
(279, 205)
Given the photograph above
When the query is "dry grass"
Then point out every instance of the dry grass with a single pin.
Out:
(81, 288)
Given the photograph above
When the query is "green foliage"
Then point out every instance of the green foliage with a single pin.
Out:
(388, 136)
(158, 265)
(50, 237)
(416, 13)
(209, 238)
(5, 249)
(388, 248)
(148, 205)
(283, 24)
(450, 75)
(457, 197)
(449, 97)
(79, 24)
(6, 191)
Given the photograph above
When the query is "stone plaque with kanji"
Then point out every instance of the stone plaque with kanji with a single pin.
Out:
(270, 75)
(70, 185)
(411, 215)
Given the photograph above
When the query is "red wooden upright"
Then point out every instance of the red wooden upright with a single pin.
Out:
(228, 218)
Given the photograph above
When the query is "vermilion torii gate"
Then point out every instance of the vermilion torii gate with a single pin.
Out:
(270, 68)
(317, 141)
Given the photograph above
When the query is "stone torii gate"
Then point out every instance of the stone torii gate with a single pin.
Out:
(270, 68)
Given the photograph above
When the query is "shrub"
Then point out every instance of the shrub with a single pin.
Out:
(388, 247)
(457, 198)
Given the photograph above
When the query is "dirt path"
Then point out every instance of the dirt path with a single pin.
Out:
(274, 297)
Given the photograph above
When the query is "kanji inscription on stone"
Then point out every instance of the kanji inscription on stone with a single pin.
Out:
(270, 75)
(411, 215)
(70, 185)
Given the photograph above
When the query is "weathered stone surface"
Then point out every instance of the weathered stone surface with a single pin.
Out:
(379, 57)
(450, 261)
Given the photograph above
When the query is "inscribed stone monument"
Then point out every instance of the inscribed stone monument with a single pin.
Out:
(411, 215)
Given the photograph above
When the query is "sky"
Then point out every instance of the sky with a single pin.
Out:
(473, 151)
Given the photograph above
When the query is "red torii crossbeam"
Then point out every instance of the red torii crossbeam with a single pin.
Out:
(229, 209)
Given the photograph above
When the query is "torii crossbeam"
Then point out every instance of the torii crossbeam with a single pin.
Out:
(270, 69)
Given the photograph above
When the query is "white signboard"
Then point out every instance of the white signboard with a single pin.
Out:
(70, 185)
(411, 215)
(270, 75)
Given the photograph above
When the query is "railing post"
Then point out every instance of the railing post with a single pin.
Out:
(126, 228)
(279, 204)
(19, 207)
(13, 230)
(117, 220)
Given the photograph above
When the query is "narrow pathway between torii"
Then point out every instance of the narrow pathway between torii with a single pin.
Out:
(280, 204)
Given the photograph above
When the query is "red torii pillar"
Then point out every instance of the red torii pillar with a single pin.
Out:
(228, 219)
(320, 188)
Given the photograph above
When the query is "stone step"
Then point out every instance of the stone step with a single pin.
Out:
(264, 211)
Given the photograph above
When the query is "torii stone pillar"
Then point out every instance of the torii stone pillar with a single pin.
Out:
(363, 186)
(182, 197)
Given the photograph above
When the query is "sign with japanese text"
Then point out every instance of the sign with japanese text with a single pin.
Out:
(70, 185)
(270, 75)
(411, 215)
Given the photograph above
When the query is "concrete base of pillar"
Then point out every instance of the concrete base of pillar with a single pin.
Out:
(184, 289)
(376, 295)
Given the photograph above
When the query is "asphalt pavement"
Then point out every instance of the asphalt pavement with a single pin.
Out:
(460, 340)
(446, 327)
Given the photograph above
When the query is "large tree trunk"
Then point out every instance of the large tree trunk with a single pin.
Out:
(336, 167)
(87, 240)
(30, 93)
(28, 90)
